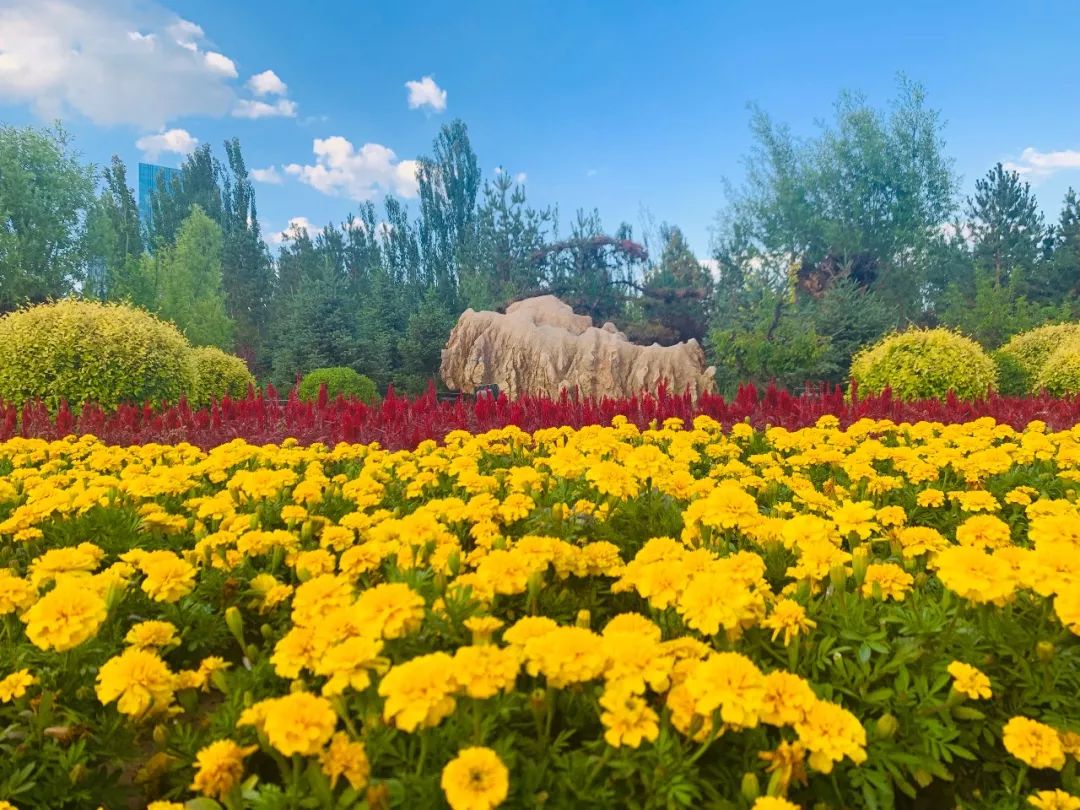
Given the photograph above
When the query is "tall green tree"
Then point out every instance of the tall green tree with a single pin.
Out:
(500, 262)
(862, 199)
(448, 183)
(196, 183)
(115, 242)
(45, 195)
(189, 283)
(676, 291)
(247, 274)
(1007, 227)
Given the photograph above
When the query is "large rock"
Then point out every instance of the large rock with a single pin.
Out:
(541, 347)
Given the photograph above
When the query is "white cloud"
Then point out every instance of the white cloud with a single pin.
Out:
(712, 265)
(1036, 164)
(179, 141)
(248, 108)
(520, 178)
(340, 169)
(268, 175)
(590, 173)
(220, 63)
(296, 226)
(112, 61)
(267, 83)
(425, 93)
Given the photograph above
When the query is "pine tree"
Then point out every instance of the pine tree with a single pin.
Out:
(1007, 226)
(677, 291)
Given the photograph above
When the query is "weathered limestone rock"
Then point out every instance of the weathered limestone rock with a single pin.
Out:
(541, 347)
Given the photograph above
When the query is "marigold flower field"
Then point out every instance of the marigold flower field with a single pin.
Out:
(876, 615)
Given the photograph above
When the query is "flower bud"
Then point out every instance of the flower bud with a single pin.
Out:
(1045, 651)
(235, 622)
(584, 618)
(378, 797)
(750, 788)
(886, 727)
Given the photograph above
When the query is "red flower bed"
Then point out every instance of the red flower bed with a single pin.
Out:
(399, 422)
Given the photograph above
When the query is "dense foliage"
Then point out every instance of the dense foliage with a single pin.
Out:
(924, 364)
(1032, 349)
(218, 375)
(343, 382)
(610, 617)
(82, 351)
(1060, 374)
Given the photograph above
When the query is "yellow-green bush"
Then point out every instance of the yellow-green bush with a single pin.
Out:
(218, 374)
(1060, 374)
(1032, 349)
(924, 364)
(84, 351)
(347, 382)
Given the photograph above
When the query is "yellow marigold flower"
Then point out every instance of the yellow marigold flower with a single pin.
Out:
(627, 718)
(349, 664)
(151, 634)
(156, 806)
(632, 623)
(16, 594)
(637, 661)
(917, 540)
(312, 563)
(930, 498)
(138, 681)
(475, 780)
(887, 581)
(483, 627)
(14, 686)
(855, 518)
(1053, 800)
(168, 578)
(786, 699)
(298, 723)
(219, 767)
(566, 655)
(786, 763)
(977, 500)
(65, 617)
(80, 559)
(484, 671)
(788, 617)
(774, 803)
(967, 680)
(984, 531)
(390, 610)
(892, 516)
(1067, 607)
(419, 692)
(1033, 743)
(344, 757)
(830, 732)
(976, 576)
(731, 683)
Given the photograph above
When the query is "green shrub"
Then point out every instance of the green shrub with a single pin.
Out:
(1033, 348)
(924, 364)
(1013, 379)
(218, 374)
(1060, 374)
(344, 381)
(84, 351)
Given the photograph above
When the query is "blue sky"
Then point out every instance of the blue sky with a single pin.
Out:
(625, 107)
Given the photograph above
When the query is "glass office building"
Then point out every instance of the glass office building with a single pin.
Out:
(149, 174)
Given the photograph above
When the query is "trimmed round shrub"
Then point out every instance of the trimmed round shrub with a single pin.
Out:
(218, 374)
(339, 380)
(85, 351)
(925, 364)
(1060, 374)
(1033, 348)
